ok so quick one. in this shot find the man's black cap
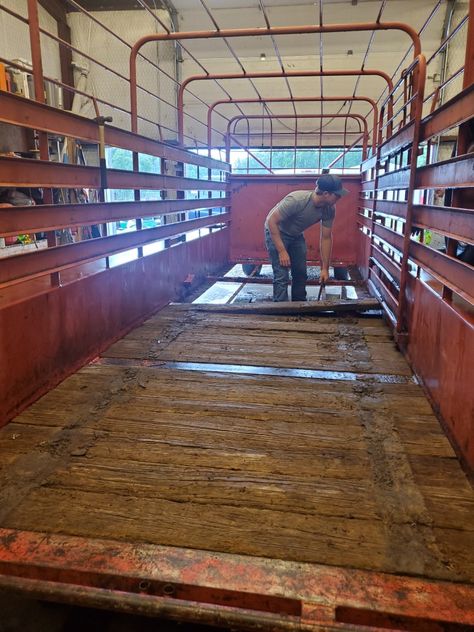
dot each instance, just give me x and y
(331, 184)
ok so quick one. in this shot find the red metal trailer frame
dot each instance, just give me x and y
(292, 100)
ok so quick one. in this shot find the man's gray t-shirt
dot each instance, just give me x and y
(298, 212)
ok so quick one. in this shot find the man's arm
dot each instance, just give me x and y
(273, 221)
(325, 249)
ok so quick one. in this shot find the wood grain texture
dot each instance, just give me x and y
(353, 473)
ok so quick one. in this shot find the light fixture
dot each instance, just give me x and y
(263, 57)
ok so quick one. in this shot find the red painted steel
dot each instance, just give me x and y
(17, 110)
(91, 313)
(268, 75)
(37, 173)
(237, 589)
(452, 113)
(357, 117)
(26, 219)
(394, 239)
(401, 138)
(18, 268)
(383, 259)
(441, 354)
(212, 107)
(457, 223)
(391, 207)
(456, 172)
(455, 274)
(399, 179)
(254, 196)
(272, 31)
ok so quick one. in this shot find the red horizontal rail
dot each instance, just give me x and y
(394, 179)
(455, 172)
(455, 274)
(383, 259)
(40, 173)
(387, 296)
(392, 207)
(26, 219)
(397, 141)
(67, 567)
(457, 223)
(457, 110)
(393, 239)
(17, 110)
(28, 266)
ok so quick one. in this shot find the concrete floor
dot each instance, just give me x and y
(237, 292)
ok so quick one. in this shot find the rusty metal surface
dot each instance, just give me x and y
(384, 292)
(391, 207)
(455, 172)
(252, 199)
(394, 239)
(233, 588)
(41, 173)
(396, 142)
(383, 259)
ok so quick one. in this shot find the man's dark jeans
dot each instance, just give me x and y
(296, 248)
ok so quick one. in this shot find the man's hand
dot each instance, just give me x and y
(324, 276)
(284, 259)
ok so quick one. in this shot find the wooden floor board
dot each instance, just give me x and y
(350, 472)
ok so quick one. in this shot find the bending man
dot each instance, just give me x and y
(284, 237)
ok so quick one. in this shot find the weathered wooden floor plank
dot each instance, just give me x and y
(350, 472)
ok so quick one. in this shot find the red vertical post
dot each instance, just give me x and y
(38, 82)
(465, 134)
(420, 78)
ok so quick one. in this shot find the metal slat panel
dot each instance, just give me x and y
(28, 113)
(398, 141)
(395, 179)
(25, 219)
(456, 111)
(387, 296)
(456, 172)
(39, 173)
(453, 222)
(30, 265)
(451, 272)
(381, 258)
(392, 207)
(390, 236)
